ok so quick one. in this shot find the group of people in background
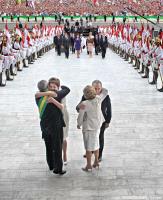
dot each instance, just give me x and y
(20, 47)
(94, 117)
(76, 42)
(81, 7)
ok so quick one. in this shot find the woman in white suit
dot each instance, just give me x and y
(90, 120)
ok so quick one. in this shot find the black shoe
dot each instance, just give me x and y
(99, 159)
(62, 172)
(84, 156)
(51, 168)
(59, 172)
(144, 76)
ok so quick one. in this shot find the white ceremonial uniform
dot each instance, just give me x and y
(1, 63)
(8, 56)
(161, 64)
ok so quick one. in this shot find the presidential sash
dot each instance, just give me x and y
(42, 105)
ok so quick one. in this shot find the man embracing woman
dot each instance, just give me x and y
(94, 117)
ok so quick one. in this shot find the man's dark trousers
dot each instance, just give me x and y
(58, 50)
(101, 139)
(49, 151)
(67, 52)
(53, 143)
(103, 52)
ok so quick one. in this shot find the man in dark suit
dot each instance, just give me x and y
(66, 45)
(77, 23)
(103, 45)
(58, 43)
(97, 44)
(72, 40)
(55, 17)
(105, 17)
(52, 123)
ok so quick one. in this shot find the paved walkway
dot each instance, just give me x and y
(132, 167)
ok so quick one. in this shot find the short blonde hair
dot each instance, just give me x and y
(89, 92)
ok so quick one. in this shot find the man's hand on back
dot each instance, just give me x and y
(52, 94)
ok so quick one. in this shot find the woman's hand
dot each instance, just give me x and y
(81, 106)
(56, 103)
(50, 100)
(51, 94)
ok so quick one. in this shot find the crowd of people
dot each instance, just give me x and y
(23, 46)
(141, 48)
(76, 43)
(82, 7)
(136, 45)
(19, 48)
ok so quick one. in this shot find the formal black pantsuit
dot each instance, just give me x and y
(103, 45)
(66, 44)
(58, 44)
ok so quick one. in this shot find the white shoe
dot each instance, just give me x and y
(65, 162)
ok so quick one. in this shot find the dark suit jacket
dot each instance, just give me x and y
(103, 42)
(52, 118)
(58, 40)
(97, 41)
(66, 42)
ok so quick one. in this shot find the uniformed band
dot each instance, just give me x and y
(140, 48)
(21, 47)
(137, 45)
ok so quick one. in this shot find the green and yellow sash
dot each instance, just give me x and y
(42, 105)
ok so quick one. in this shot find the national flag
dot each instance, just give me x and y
(18, 1)
(30, 3)
(17, 30)
(95, 2)
(26, 34)
(6, 32)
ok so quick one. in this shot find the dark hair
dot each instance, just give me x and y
(54, 80)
